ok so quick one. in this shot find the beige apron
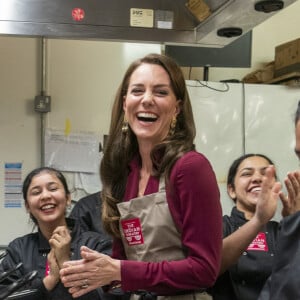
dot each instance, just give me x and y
(149, 234)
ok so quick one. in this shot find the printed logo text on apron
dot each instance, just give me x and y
(133, 231)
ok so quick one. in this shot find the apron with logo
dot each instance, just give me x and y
(149, 234)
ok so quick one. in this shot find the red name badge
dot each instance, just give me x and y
(259, 243)
(132, 230)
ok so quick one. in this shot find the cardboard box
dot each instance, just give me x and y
(199, 9)
(287, 58)
(262, 75)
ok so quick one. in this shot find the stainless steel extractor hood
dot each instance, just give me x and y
(155, 21)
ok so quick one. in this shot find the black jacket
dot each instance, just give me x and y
(32, 250)
(88, 211)
(283, 283)
(245, 279)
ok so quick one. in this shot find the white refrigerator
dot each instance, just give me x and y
(235, 118)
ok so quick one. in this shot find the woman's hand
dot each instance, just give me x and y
(51, 279)
(291, 201)
(91, 272)
(267, 203)
(60, 242)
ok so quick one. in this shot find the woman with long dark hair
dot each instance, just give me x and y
(160, 196)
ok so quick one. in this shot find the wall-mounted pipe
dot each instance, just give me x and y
(42, 102)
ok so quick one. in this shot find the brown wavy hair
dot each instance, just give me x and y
(121, 148)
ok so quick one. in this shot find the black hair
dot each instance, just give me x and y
(236, 163)
(297, 114)
(37, 171)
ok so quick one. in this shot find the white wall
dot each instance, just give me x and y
(87, 73)
(84, 74)
(19, 125)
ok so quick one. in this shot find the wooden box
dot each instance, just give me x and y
(287, 58)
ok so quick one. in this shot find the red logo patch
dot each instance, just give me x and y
(47, 270)
(132, 230)
(259, 243)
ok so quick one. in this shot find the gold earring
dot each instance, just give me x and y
(172, 126)
(125, 126)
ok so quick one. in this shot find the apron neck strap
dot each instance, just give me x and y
(162, 186)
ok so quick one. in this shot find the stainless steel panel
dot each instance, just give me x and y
(233, 14)
(110, 20)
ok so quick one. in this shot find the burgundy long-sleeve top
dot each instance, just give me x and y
(194, 202)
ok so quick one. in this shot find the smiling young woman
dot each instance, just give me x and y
(249, 234)
(58, 239)
(159, 194)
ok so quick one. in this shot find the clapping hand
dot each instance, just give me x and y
(267, 203)
(60, 242)
(291, 201)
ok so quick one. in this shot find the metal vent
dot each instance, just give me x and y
(268, 6)
(229, 32)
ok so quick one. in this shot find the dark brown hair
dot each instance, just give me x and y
(120, 149)
(297, 114)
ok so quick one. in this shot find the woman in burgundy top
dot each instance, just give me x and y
(161, 201)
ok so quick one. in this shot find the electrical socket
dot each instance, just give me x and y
(42, 104)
